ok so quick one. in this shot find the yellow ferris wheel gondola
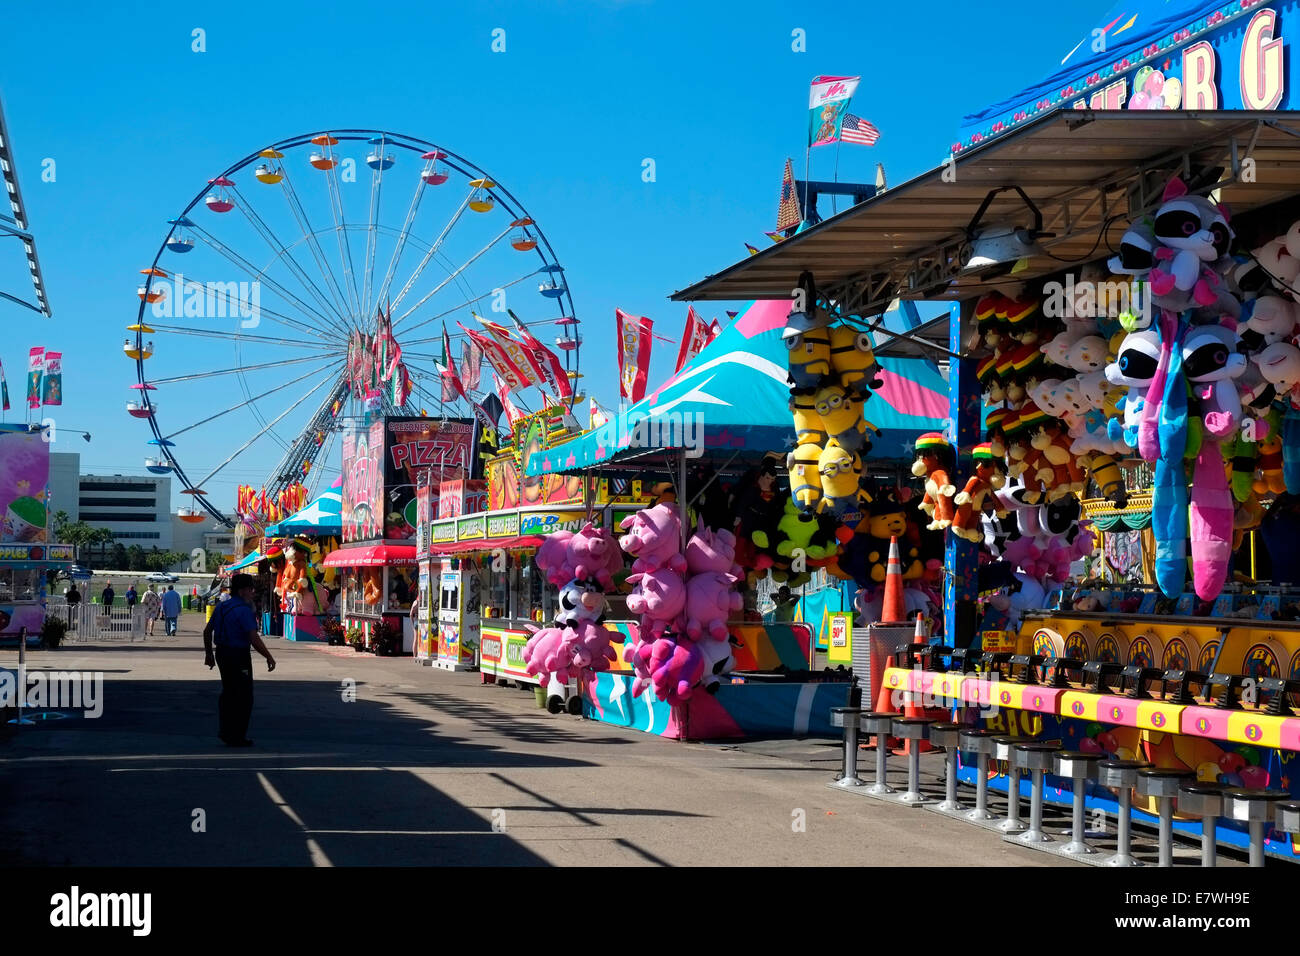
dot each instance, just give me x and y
(480, 200)
(137, 350)
(269, 173)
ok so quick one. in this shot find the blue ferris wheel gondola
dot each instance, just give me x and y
(157, 466)
(378, 159)
(180, 241)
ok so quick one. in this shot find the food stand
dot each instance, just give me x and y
(304, 583)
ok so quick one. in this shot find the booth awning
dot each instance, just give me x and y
(1088, 171)
(322, 516)
(489, 544)
(372, 556)
(248, 559)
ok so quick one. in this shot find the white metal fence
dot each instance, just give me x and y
(95, 622)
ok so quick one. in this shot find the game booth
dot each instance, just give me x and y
(697, 661)
(1118, 482)
(303, 583)
(383, 458)
(27, 555)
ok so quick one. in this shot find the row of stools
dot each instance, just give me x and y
(1255, 807)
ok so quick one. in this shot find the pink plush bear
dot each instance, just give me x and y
(709, 550)
(593, 553)
(659, 598)
(710, 602)
(654, 539)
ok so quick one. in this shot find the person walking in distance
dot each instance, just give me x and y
(228, 640)
(131, 596)
(171, 609)
(152, 605)
(106, 596)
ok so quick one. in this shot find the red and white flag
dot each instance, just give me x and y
(547, 364)
(633, 354)
(35, 370)
(471, 364)
(452, 387)
(511, 375)
(598, 416)
(513, 414)
(694, 337)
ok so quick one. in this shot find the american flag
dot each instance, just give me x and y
(857, 130)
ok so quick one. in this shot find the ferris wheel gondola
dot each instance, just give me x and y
(328, 299)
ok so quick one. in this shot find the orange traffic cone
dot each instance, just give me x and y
(892, 611)
(910, 707)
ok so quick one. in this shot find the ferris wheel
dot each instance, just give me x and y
(329, 274)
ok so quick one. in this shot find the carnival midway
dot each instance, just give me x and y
(978, 493)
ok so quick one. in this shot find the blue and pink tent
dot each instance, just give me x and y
(734, 397)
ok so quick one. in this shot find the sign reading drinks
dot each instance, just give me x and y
(1234, 57)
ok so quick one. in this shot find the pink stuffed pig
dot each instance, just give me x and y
(710, 602)
(659, 598)
(546, 655)
(593, 553)
(654, 539)
(553, 557)
(709, 550)
(592, 646)
(680, 668)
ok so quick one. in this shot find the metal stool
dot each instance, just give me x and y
(1206, 801)
(1163, 784)
(1122, 775)
(948, 736)
(979, 743)
(1286, 817)
(850, 718)
(1079, 767)
(1036, 757)
(914, 730)
(1002, 750)
(1254, 807)
(879, 724)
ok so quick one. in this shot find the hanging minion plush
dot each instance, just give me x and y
(853, 360)
(808, 428)
(805, 478)
(841, 416)
(810, 357)
(841, 472)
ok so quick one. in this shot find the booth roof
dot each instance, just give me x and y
(322, 516)
(372, 556)
(734, 397)
(1088, 171)
(251, 558)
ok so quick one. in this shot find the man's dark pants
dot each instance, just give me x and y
(235, 705)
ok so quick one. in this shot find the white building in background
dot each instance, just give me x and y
(136, 508)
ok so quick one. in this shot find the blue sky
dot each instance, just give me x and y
(136, 122)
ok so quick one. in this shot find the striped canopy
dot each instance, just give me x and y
(737, 390)
(322, 516)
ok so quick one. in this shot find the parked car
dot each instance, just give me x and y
(162, 577)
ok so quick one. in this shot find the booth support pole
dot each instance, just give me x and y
(960, 560)
(682, 501)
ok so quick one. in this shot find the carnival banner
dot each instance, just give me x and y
(694, 337)
(519, 357)
(547, 364)
(497, 357)
(827, 100)
(52, 385)
(633, 354)
(35, 369)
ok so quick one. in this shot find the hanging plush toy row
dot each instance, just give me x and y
(684, 602)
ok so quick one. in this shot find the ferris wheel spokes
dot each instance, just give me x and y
(340, 223)
(254, 398)
(212, 290)
(318, 252)
(260, 366)
(431, 252)
(452, 275)
(400, 245)
(456, 308)
(331, 314)
(377, 162)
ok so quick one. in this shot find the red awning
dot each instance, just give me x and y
(489, 544)
(372, 556)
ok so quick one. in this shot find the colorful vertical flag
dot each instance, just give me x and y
(4, 389)
(828, 98)
(752, 250)
(513, 414)
(598, 416)
(633, 354)
(854, 129)
(471, 365)
(451, 383)
(35, 370)
(788, 213)
(526, 372)
(715, 328)
(694, 337)
(544, 360)
(497, 357)
(52, 385)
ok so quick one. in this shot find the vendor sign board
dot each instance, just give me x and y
(442, 447)
(1235, 56)
(24, 477)
(462, 496)
(501, 653)
(363, 480)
